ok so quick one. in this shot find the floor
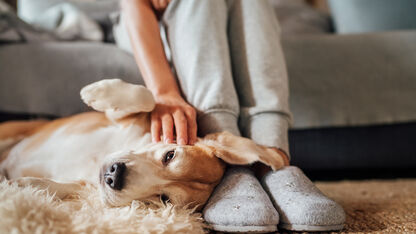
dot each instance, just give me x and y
(376, 206)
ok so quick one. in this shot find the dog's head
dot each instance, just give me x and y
(184, 175)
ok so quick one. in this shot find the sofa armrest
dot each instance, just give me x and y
(46, 78)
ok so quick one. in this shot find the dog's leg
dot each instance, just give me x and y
(117, 98)
(61, 190)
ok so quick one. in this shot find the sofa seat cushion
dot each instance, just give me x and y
(352, 80)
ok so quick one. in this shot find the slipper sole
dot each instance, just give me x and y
(311, 228)
(245, 229)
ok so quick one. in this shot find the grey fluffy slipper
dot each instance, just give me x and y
(239, 204)
(301, 205)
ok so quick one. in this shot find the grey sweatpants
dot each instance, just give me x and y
(229, 65)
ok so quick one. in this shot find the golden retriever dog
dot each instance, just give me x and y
(112, 149)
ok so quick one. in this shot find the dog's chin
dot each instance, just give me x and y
(103, 190)
(104, 197)
(111, 198)
(108, 198)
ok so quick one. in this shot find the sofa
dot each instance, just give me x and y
(352, 95)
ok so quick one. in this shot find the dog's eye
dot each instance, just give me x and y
(164, 198)
(168, 156)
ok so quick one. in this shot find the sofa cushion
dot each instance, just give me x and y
(98, 10)
(357, 16)
(351, 80)
(46, 78)
(297, 17)
(14, 30)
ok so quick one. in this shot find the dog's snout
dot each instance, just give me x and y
(114, 175)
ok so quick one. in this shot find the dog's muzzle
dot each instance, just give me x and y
(114, 175)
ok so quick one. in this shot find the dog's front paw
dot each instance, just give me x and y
(61, 190)
(117, 98)
(30, 181)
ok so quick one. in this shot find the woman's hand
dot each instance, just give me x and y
(171, 115)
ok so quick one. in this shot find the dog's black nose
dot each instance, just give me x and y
(114, 176)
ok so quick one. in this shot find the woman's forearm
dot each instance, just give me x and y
(172, 116)
(143, 28)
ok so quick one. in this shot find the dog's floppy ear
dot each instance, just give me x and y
(241, 151)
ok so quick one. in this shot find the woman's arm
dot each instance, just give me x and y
(171, 111)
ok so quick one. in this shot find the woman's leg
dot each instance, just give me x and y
(259, 71)
(197, 36)
(261, 80)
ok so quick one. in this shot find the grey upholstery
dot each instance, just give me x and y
(298, 17)
(347, 80)
(97, 10)
(357, 16)
(352, 80)
(46, 78)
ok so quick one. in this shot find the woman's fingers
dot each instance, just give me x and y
(169, 119)
(192, 126)
(155, 126)
(167, 128)
(181, 126)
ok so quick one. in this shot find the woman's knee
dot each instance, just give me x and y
(199, 13)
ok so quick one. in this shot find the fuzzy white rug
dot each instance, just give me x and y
(30, 210)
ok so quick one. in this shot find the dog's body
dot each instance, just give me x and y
(114, 151)
(73, 148)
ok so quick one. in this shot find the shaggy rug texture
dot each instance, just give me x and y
(383, 206)
(28, 210)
